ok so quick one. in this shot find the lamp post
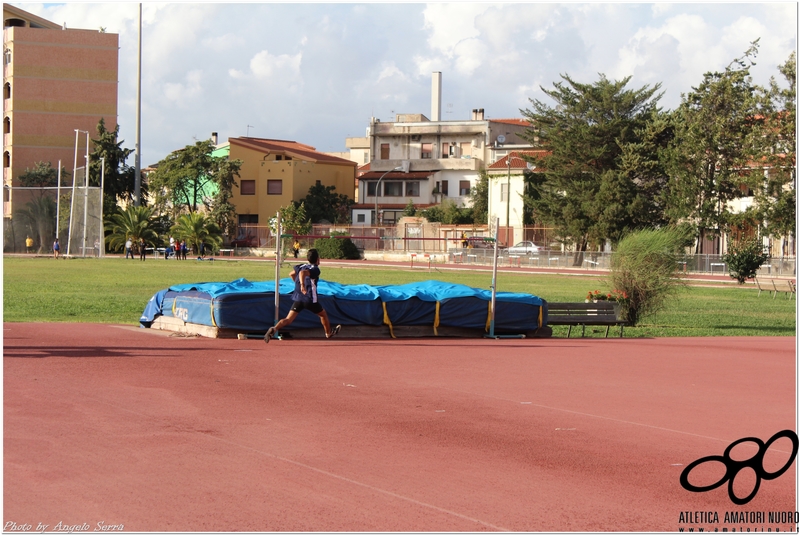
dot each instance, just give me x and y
(377, 188)
(507, 213)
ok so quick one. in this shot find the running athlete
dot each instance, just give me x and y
(305, 277)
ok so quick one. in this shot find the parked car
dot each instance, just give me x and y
(481, 242)
(245, 241)
(523, 248)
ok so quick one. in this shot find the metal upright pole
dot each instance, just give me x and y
(137, 175)
(278, 227)
(85, 192)
(72, 200)
(507, 213)
(101, 252)
(58, 203)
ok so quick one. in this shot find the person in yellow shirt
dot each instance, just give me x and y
(296, 248)
(29, 244)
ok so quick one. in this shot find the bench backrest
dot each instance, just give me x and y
(600, 308)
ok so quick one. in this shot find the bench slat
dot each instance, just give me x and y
(602, 313)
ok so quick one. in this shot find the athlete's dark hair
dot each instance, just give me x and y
(313, 256)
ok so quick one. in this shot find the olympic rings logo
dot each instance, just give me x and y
(734, 467)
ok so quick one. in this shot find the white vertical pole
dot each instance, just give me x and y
(278, 226)
(137, 175)
(101, 252)
(72, 200)
(494, 278)
(58, 202)
(85, 192)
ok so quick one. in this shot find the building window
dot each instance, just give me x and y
(7, 125)
(370, 189)
(248, 187)
(6, 159)
(427, 150)
(464, 187)
(390, 218)
(412, 189)
(274, 187)
(7, 90)
(445, 188)
(385, 151)
(503, 195)
(361, 218)
(248, 219)
(392, 189)
(445, 150)
(466, 149)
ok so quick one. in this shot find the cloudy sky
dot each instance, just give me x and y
(316, 72)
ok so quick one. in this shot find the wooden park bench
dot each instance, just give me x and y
(600, 313)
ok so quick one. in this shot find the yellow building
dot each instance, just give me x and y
(276, 172)
(55, 81)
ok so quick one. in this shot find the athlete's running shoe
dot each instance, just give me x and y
(334, 332)
(269, 334)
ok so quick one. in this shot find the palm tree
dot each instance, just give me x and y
(134, 223)
(196, 228)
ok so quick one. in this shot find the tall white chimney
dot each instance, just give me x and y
(436, 104)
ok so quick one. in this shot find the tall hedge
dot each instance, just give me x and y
(337, 248)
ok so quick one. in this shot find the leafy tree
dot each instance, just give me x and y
(192, 178)
(119, 181)
(744, 259)
(135, 222)
(38, 216)
(295, 219)
(479, 197)
(410, 209)
(337, 248)
(448, 213)
(43, 175)
(716, 135)
(196, 228)
(775, 201)
(323, 204)
(584, 189)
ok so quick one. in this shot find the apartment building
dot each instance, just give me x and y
(276, 172)
(56, 80)
(427, 160)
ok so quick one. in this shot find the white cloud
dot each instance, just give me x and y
(266, 65)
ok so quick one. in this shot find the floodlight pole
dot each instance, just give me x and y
(377, 189)
(85, 191)
(72, 199)
(101, 252)
(137, 174)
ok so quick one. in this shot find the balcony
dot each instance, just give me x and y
(431, 164)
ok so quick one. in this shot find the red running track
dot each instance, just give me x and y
(107, 425)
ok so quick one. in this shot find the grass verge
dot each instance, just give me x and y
(114, 290)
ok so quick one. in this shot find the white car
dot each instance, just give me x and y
(523, 247)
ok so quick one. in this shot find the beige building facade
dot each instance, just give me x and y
(276, 172)
(55, 81)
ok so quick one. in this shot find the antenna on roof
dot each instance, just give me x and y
(248, 129)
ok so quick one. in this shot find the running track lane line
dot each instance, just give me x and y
(320, 471)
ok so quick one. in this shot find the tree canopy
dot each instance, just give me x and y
(583, 187)
(323, 204)
(119, 181)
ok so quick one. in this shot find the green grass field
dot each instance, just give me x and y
(113, 290)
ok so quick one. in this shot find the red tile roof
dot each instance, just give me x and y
(290, 148)
(517, 122)
(516, 161)
(397, 175)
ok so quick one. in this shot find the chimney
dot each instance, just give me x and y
(435, 114)
(480, 114)
(474, 114)
(214, 138)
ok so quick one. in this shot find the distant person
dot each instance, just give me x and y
(172, 242)
(129, 249)
(296, 248)
(56, 249)
(464, 240)
(97, 247)
(305, 297)
(29, 244)
(184, 249)
(202, 249)
(142, 250)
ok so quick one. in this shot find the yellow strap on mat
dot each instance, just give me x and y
(213, 321)
(387, 321)
(435, 325)
(488, 319)
(541, 316)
